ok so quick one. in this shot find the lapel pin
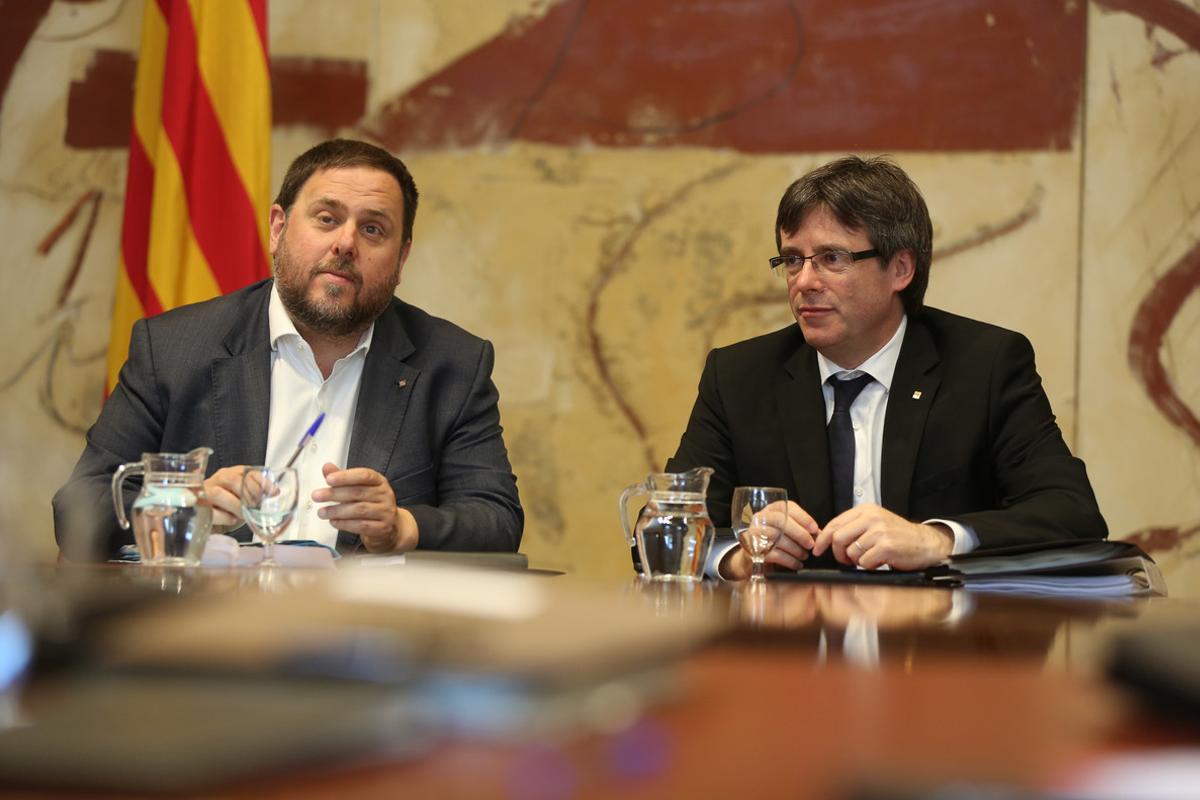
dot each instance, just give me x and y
(402, 383)
(917, 395)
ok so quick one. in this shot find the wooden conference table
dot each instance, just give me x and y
(798, 691)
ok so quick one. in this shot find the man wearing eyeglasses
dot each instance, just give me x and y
(903, 434)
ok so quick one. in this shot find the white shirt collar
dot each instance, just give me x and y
(280, 325)
(881, 366)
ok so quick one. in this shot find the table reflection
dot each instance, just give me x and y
(780, 605)
(676, 598)
(868, 625)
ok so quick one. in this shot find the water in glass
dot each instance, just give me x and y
(268, 504)
(756, 514)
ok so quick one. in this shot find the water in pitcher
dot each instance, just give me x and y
(171, 522)
(674, 536)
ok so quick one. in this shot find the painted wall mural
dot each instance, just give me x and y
(761, 76)
(599, 179)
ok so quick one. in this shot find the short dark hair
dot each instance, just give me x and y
(339, 153)
(872, 194)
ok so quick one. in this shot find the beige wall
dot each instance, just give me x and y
(570, 257)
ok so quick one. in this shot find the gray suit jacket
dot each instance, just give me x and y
(200, 375)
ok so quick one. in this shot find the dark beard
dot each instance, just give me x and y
(326, 316)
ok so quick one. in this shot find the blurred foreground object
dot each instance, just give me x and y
(195, 690)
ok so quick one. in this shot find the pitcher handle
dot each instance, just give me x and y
(632, 489)
(124, 471)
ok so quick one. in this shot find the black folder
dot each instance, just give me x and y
(1096, 568)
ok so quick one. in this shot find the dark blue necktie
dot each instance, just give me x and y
(841, 440)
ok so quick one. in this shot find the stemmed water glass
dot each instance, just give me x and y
(757, 513)
(268, 504)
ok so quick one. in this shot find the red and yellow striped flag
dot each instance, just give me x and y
(199, 177)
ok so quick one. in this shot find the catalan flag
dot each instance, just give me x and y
(199, 175)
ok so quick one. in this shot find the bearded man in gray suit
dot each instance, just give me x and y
(410, 453)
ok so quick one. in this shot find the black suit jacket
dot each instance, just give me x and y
(200, 375)
(968, 433)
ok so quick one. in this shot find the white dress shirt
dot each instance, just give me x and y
(867, 416)
(298, 394)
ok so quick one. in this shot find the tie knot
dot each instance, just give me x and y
(844, 392)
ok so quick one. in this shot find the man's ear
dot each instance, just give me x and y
(275, 223)
(903, 268)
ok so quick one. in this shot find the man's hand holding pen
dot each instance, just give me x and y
(360, 501)
(224, 491)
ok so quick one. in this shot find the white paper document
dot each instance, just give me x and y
(225, 551)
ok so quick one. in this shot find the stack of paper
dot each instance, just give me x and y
(225, 551)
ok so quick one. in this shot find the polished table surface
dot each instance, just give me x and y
(803, 691)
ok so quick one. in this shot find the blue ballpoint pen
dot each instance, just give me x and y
(312, 429)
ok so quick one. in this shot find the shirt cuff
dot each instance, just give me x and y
(721, 546)
(965, 539)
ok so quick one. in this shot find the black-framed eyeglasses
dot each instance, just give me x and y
(832, 261)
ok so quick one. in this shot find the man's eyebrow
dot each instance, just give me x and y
(328, 202)
(821, 248)
(338, 205)
(377, 213)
